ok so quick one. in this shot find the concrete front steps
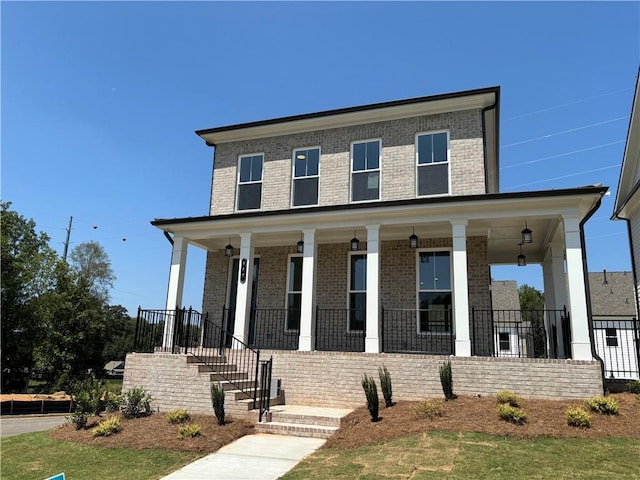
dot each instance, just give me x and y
(302, 421)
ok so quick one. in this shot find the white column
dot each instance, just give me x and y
(549, 300)
(460, 288)
(245, 281)
(308, 304)
(372, 339)
(176, 286)
(559, 290)
(580, 342)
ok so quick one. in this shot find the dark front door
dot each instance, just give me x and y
(233, 294)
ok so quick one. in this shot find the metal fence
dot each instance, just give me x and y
(274, 329)
(617, 343)
(426, 331)
(340, 330)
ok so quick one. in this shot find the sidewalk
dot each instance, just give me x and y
(253, 457)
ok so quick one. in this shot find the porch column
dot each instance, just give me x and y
(460, 288)
(558, 292)
(176, 286)
(580, 342)
(307, 340)
(245, 281)
(372, 339)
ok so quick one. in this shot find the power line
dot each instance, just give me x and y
(561, 155)
(565, 131)
(563, 176)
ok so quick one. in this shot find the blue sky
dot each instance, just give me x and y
(100, 102)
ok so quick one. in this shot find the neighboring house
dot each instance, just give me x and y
(615, 323)
(372, 230)
(114, 367)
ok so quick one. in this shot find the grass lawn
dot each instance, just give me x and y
(35, 456)
(114, 385)
(440, 455)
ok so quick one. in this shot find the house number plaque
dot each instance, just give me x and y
(243, 271)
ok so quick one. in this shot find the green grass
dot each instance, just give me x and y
(114, 385)
(35, 456)
(437, 455)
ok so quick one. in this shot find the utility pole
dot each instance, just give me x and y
(66, 242)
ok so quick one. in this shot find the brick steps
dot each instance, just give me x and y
(295, 429)
(302, 421)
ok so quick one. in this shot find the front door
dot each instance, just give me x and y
(233, 294)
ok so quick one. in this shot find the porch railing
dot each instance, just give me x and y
(425, 331)
(150, 329)
(515, 333)
(340, 330)
(618, 345)
(274, 329)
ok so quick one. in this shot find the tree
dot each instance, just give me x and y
(93, 267)
(532, 310)
(121, 330)
(530, 298)
(27, 272)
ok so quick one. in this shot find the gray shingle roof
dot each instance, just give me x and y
(612, 294)
(504, 295)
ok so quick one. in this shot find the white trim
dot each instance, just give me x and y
(417, 166)
(293, 175)
(379, 170)
(261, 182)
(417, 264)
(287, 292)
(349, 291)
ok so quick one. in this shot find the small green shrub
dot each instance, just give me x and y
(385, 385)
(430, 409)
(633, 386)
(78, 419)
(189, 430)
(112, 402)
(109, 426)
(89, 395)
(371, 392)
(446, 379)
(178, 416)
(577, 417)
(603, 405)
(507, 397)
(217, 400)
(511, 414)
(136, 403)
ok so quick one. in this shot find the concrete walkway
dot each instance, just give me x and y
(253, 457)
(17, 424)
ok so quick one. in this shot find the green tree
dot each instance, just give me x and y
(93, 267)
(530, 298)
(120, 335)
(27, 272)
(532, 311)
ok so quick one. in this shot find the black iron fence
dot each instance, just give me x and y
(425, 331)
(340, 330)
(274, 329)
(150, 329)
(617, 344)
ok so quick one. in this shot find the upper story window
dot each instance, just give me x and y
(365, 170)
(250, 182)
(305, 177)
(432, 163)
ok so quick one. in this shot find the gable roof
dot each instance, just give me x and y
(504, 295)
(612, 294)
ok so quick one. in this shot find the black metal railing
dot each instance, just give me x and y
(150, 329)
(274, 329)
(617, 344)
(426, 331)
(515, 333)
(340, 330)
(265, 391)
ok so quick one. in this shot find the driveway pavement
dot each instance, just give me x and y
(15, 425)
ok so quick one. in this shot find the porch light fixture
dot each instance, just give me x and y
(413, 239)
(355, 243)
(527, 235)
(228, 250)
(300, 245)
(522, 260)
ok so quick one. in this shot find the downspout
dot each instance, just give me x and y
(587, 289)
(483, 113)
(168, 237)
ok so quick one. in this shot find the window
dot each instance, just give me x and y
(365, 170)
(250, 182)
(432, 163)
(357, 292)
(294, 293)
(434, 291)
(504, 341)
(305, 177)
(611, 337)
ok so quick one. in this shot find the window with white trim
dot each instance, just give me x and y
(305, 177)
(357, 291)
(294, 292)
(365, 170)
(432, 163)
(250, 182)
(434, 291)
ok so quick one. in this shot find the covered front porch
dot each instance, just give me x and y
(393, 277)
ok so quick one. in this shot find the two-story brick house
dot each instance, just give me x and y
(372, 229)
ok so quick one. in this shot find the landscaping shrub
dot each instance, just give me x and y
(189, 430)
(79, 419)
(371, 392)
(136, 403)
(577, 417)
(107, 427)
(112, 402)
(178, 416)
(507, 397)
(446, 379)
(603, 405)
(511, 414)
(633, 386)
(217, 400)
(88, 396)
(385, 385)
(430, 409)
